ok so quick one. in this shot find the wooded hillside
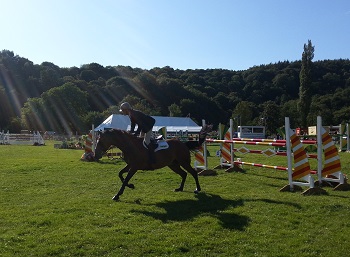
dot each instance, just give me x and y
(47, 97)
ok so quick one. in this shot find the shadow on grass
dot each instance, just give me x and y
(205, 204)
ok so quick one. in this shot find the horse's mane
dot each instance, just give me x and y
(193, 145)
(119, 132)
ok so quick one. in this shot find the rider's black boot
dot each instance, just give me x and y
(151, 153)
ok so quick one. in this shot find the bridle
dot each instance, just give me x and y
(103, 151)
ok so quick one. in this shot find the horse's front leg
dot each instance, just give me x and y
(131, 173)
(125, 170)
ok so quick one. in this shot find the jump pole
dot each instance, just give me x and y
(2, 138)
(261, 165)
(301, 174)
(289, 159)
(93, 138)
(331, 171)
(344, 142)
(347, 138)
(226, 149)
(245, 142)
(302, 169)
(272, 140)
(201, 163)
(246, 150)
(90, 145)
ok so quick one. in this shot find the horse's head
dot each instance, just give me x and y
(103, 145)
(111, 137)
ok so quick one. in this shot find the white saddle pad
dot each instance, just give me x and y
(162, 144)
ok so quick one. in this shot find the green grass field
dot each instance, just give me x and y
(53, 204)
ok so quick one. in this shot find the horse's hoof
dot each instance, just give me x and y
(115, 198)
(131, 186)
(178, 190)
(196, 191)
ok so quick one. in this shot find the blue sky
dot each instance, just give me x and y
(182, 34)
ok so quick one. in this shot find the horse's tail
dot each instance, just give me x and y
(192, 145)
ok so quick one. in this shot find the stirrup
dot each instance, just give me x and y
(144, 145)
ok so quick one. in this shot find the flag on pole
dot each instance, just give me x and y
(223, 129)
(162, 131)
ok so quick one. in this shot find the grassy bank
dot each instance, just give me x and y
(52, 204)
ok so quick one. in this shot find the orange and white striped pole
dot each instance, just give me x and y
(302, 169)
(227, 155)
(88, 143)
(199, 162)
(331, 171)
(201, 155)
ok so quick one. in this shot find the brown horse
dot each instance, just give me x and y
(177, 157)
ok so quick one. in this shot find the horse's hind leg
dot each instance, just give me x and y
(194, 174)
(177, 169)
(125, 170)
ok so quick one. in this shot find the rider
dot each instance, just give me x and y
(144, 122)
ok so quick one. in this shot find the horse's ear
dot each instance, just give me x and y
(210, 128)
(206, 129)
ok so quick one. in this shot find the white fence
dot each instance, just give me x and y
(21, 139)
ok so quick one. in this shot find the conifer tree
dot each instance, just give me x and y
(305, 83)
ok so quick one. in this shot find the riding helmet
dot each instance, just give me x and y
(125, 106)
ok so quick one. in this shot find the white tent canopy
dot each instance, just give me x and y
(176, 124)
(173, 124)
(116, 121)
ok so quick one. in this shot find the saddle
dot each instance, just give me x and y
(157, 144)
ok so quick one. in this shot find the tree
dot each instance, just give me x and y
(141, 105)
(60, 109)
(50, 76)
(305, 83)
(95, 118)
(88, 75)
(210, 94)
(289, 109)
(174, 110)
(321, 106)
(5, 108)
(113, 109)
(270, 117)
(245, 111)
(68, 104)
(33, 115)
(15, 125)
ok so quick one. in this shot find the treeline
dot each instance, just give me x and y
(47, 97)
